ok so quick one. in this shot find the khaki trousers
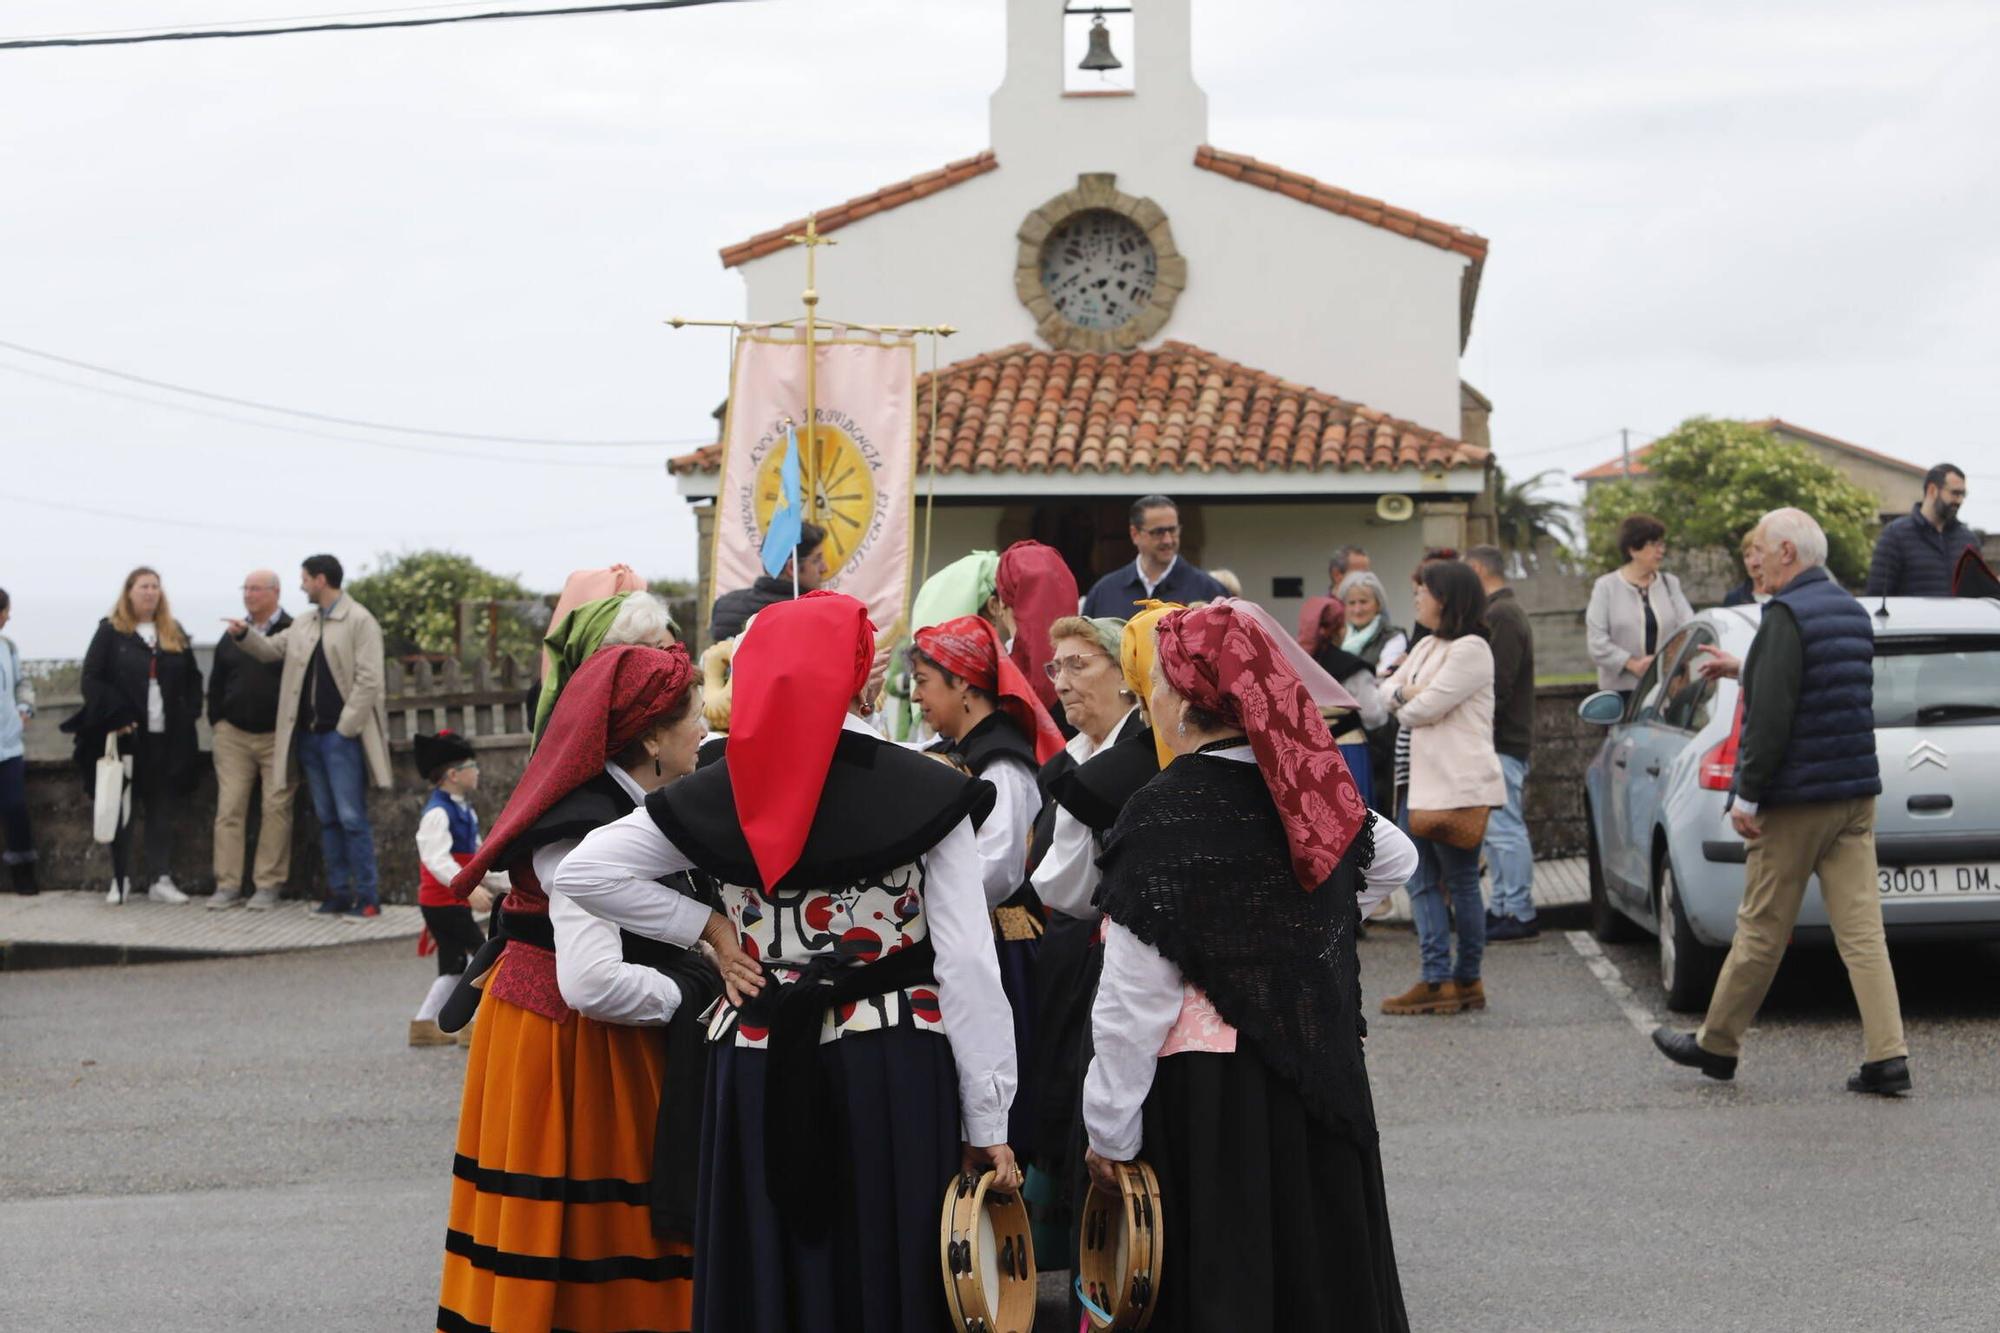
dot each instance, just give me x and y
(1837, 840)
(242, 760)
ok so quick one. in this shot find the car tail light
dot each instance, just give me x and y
(1718, 766)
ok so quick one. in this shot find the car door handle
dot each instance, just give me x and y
(1653, 769)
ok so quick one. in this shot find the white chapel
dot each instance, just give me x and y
(1134, 317)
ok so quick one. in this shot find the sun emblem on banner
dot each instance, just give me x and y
(842, 498)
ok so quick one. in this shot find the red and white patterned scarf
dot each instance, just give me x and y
(969, 648)
(1222, 661)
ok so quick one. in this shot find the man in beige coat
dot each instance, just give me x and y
(330, 712)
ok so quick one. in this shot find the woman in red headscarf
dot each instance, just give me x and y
(555, 1219)
(989, 720)
(1035, 587)
(1227, 1022)
(837, 1084)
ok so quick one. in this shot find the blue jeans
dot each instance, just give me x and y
(337, 775)
(1443, 869)
(1509, 858)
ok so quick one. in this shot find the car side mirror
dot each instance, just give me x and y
(1602, 708)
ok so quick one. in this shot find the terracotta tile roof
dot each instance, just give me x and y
(867, 205)
(1361, 208)
(1615, 468)
(1036, 412)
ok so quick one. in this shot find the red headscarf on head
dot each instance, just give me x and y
(617, 695)
(969, 648)
(793, 675)
(1314, 631)
(1219, 660)
(1039, 589)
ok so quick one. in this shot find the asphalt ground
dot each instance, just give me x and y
(248, 1144)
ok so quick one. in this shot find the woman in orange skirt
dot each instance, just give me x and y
(559, 1218)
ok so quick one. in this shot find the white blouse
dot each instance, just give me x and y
(591, 970)
(1003, 838)
(1140, 994)
(611, 875)
(1067, 875)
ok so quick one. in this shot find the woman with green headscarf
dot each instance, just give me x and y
(626, 617)
(965, 587)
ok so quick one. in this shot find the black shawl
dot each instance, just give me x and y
(1197, 866)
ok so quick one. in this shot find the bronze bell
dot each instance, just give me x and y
(1099, 56)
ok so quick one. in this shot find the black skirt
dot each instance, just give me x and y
(1064, 987)
(1272, 1221)
(876, 1271)
(1017, 973)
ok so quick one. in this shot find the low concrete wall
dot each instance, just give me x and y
(1564, 747)
(71, 858)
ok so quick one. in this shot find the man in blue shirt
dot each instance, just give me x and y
(1158, 572)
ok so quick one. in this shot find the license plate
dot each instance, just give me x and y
(1966, 881)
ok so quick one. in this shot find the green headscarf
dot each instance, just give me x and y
(1110, 633)
(961, 588)
(570, 641)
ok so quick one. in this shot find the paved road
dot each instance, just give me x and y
(247, 1144)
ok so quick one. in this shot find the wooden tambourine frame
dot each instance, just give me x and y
(1121, 1290)
(967, 1250)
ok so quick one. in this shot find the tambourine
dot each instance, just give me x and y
(1118, 1258)
(987, 1259)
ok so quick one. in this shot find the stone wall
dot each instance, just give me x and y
(1564, 747)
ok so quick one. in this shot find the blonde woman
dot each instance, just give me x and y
(142, 684)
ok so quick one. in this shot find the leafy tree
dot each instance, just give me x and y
(1526, 518)
(1710, 481)
(415, 595)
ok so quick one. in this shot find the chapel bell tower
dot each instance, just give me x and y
(1135, 88)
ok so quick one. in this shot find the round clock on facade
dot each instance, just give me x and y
(1098, 269)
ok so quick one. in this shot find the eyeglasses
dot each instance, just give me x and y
(1164, 530)
(1075, 664)
(464, 764)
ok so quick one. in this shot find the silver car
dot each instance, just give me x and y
(1664, 858)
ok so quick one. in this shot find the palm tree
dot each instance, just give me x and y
(1525, 519)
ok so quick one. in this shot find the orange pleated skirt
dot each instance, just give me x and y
(549, 1225)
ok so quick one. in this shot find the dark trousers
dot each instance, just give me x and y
(153, 792)
(457, 934)
(14, 811)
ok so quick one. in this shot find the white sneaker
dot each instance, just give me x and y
(164, 890)
(120, 888)
(225, 898)
(263, 900)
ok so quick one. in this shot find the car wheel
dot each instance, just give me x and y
(1607, 923)
(1688, 967)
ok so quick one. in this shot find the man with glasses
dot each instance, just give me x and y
(243, 711)
(1159, 572)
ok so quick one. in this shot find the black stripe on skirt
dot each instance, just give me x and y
(546, 1189)
(574, 1272)
(451, 1321)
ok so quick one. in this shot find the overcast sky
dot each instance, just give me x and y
(1785, 209)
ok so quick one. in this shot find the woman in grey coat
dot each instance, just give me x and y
(1635, 608)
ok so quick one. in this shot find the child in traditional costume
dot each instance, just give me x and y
(563, 1209)
(840, 1078)
(447, 839)
(1227, 1025)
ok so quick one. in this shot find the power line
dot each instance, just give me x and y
(394, 446)
(338, 421)
(631, 7)
(288, 18)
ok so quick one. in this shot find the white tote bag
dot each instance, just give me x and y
(113, 796)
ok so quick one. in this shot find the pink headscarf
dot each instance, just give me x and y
(1325, 690)
(589, 585)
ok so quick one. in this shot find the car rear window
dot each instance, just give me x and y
(1927, 682)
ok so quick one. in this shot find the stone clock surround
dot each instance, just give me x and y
(1098, 191)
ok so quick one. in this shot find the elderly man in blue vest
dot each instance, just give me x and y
(1804, 801)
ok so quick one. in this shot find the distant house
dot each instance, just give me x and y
(1895, 484)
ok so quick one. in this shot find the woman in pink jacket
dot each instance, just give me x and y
(1443, 696)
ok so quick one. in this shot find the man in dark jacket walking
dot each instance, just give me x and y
(1510, 857)
(1804, 801)
(732, 610)
(1916, 554)
(243, 712)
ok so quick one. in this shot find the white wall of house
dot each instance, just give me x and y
(1267, 274)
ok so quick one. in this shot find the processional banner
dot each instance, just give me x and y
(859, 465)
